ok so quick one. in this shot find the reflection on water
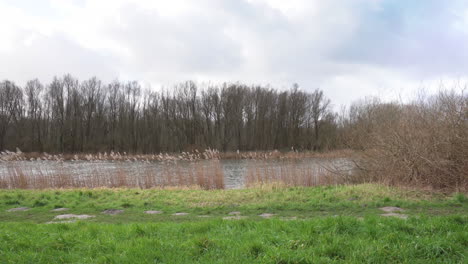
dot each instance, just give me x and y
(235, 172)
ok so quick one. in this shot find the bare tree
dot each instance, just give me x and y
(318, 109)
(34, 92)
(11, 99)
(88, 116)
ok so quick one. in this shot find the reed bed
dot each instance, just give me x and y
(290, 173)
(194, 170)
(207, 154)
(205, 175)
(285, 155)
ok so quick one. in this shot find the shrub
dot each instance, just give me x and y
(423, 143)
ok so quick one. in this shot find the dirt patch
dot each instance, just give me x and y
(19, 209)
(112, 211)
(73, 216)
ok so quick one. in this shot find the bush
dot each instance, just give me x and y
(424, 143)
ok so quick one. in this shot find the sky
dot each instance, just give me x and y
(348, 48)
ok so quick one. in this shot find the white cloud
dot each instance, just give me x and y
(347, 48)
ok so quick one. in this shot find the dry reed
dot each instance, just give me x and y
(204, 175)
(208, 154)
(290, 173)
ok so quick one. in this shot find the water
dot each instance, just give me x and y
(234, 171)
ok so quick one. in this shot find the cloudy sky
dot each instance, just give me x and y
(348, 48)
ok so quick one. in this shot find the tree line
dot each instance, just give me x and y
(68, 115)
(423, 142)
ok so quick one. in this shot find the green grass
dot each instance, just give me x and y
(334, 225)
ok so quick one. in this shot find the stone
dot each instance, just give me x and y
(19, 209)
(266, 215)
(73, 216)
(235, 213)
(289, 218)
(402, 216)
(59, 209)
(234, 217)
(180, 214)
(153, 212)
(61, 222)
(112, 211)
(391, 209)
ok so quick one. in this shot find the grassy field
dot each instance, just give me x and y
(339, 224)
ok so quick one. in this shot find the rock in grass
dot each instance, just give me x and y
(234, 217)
(391, 209)
(19, 209)
(59, 209)
(266, 215)
(180, 214)
(112, 211)
(153, 212)
(402, 216)
(61, 222)
(289, 218)
(73, 216)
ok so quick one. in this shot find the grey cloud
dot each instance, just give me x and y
(338, 48)
(192, 44)
(47, 56)
(415, 36)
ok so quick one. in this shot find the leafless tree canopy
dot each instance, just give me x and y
(70, 116)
